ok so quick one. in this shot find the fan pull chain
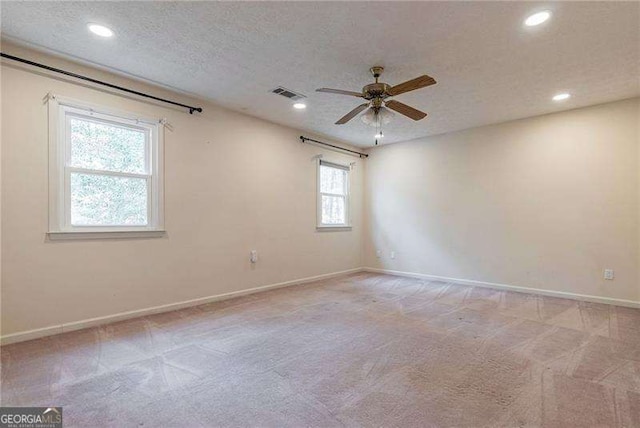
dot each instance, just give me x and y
(378, 128)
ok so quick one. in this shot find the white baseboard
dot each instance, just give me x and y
(92, 322)
(517, 288)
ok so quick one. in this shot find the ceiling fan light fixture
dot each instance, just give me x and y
(376, 118)
(379, 135)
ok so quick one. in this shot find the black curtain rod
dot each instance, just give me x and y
(304, 139)
(99, 82)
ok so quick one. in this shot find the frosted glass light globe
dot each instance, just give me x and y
(382, 117)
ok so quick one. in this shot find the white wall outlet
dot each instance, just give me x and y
(379, 254)
(393, 254)
(608, 274)
(254, 256)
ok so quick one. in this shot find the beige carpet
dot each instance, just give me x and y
(363, 350)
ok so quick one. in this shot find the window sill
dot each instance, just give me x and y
(332, 228)
(132, 234)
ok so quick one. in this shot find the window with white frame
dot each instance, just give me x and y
(105, 170)
(333, 195)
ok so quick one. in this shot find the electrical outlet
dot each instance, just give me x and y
(608, 274)
(379, 254)
(254, 256)
(393, 254)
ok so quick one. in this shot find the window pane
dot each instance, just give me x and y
(107, 147)
(332, 180)
(102, 200)
(333, 210)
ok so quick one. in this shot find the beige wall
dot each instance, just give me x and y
(637, 120)
(233, 183)
(0, 202)
(546, 202)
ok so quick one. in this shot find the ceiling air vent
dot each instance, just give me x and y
(288, 93)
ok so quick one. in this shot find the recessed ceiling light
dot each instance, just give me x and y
(300, 106)
(537, 18)
(561, 97)
(100, 30)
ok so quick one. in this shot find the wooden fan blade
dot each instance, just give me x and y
(411, 85)
(405, 110)
(353, 113)
(340, 91)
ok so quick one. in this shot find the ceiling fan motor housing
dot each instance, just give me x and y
(375, 90)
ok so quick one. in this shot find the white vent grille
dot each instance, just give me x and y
(287, 93)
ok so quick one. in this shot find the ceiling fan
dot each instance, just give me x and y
(376, 95)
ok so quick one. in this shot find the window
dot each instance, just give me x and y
(105, 170)
(333, 195)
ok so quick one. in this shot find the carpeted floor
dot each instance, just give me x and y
(362, 350)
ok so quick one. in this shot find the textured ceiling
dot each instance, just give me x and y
(488, 67)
